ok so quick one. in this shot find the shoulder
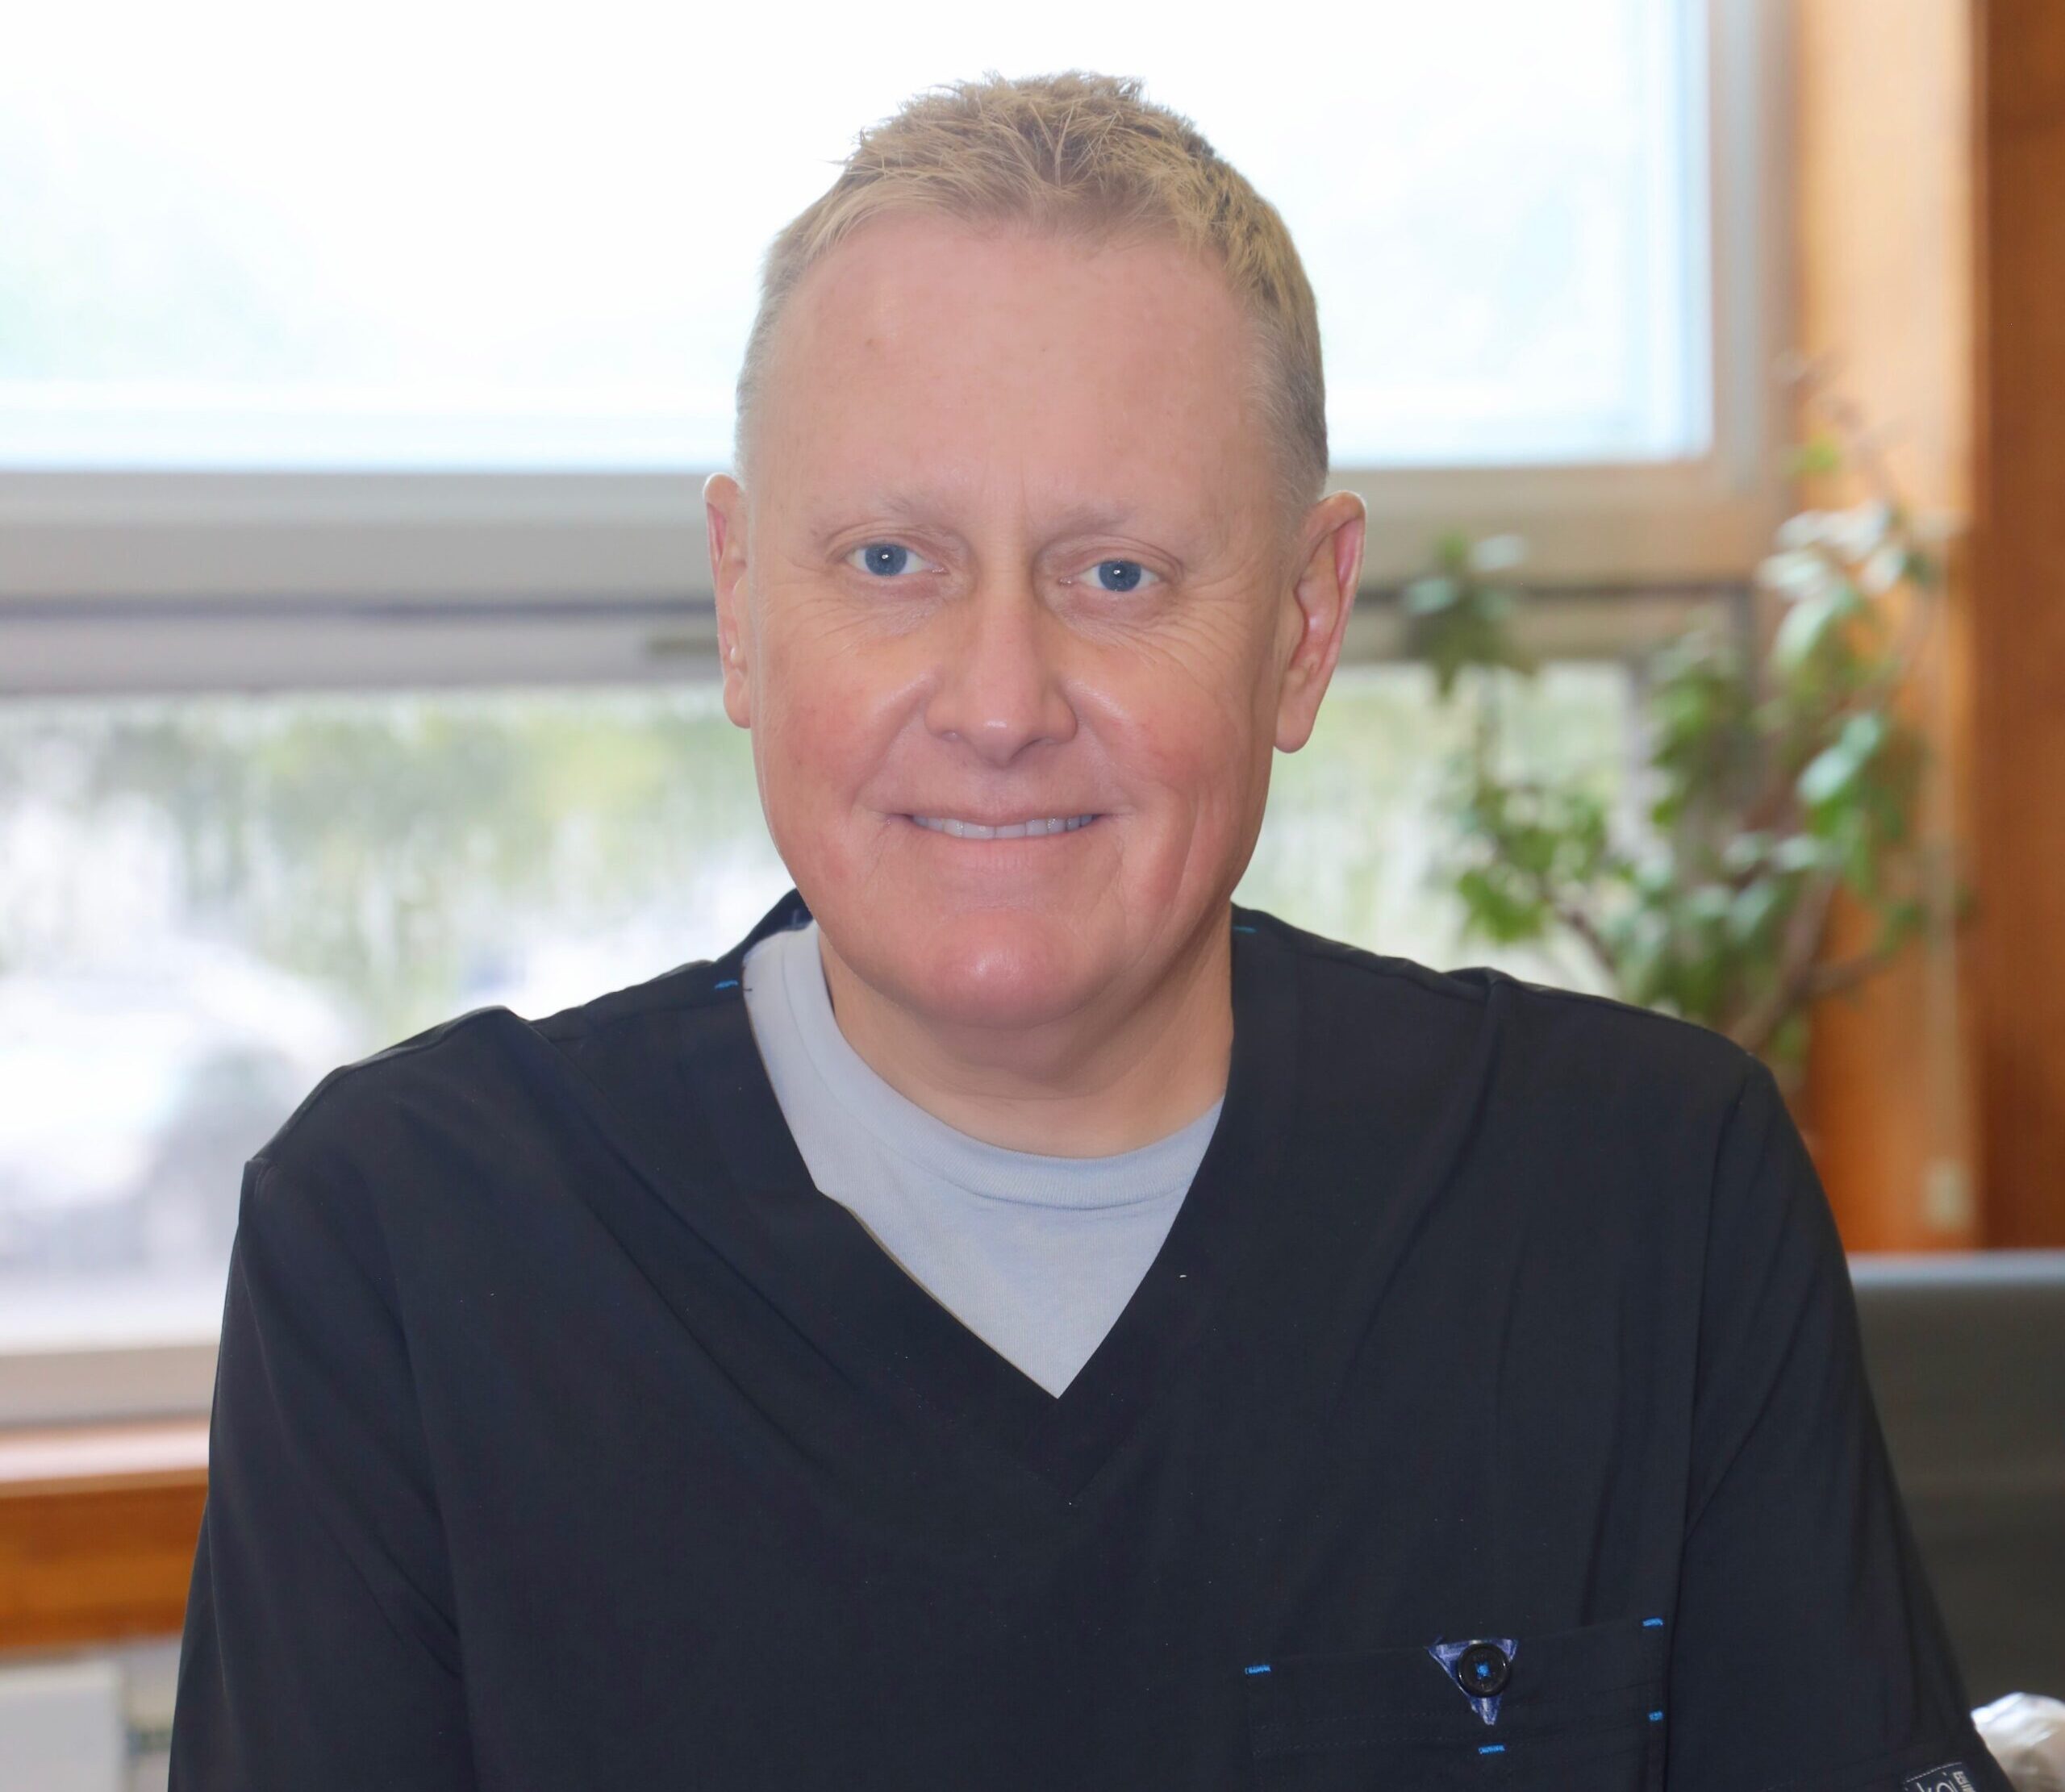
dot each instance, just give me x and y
(1609, 1033)
(485, 1085)
(1535, 1045)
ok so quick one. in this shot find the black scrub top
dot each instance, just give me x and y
(1493, 1416)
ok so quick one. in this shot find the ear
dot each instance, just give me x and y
(1328, 559)
(723, 507)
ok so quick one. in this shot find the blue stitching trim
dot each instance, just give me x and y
(1238, 928)
(1492, 1748)
(1656, 1717)
(1652, 1623)
(1260, 1667)
(729, 983)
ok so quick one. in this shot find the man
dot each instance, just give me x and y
(1017, 1320)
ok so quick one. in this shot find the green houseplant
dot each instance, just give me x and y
(1772, 779)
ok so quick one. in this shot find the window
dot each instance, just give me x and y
(263, 264)
(355, 372)
(264, 238)
(455, 236)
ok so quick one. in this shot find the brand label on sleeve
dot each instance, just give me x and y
(1951, 1776)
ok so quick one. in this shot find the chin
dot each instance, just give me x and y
(994, 967)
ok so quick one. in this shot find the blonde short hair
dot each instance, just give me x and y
(1082, 156)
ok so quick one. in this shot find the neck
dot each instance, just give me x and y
(1116, 1075)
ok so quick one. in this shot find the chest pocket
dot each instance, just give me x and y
(1579, 1707)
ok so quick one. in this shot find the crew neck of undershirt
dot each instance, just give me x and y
(1149, 1172)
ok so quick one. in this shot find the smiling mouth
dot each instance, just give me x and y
(1037, 828)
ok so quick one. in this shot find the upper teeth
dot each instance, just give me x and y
(975, 830)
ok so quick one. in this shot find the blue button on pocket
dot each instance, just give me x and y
(1482, 1669)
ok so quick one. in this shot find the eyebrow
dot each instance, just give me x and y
(1086, 517)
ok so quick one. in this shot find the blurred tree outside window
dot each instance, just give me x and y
(208, 903)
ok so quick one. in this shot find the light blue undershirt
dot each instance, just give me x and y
(1035, 1255)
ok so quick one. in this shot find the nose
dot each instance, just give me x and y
(997, 688)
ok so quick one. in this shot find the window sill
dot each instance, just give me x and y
(98, 1527)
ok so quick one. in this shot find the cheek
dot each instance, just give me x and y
(822, 723)
(1188, 725)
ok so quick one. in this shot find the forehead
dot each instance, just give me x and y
(925, 350)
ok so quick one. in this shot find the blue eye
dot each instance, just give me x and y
(886, 559)
(1124, 575)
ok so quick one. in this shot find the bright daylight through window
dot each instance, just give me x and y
(460, 235)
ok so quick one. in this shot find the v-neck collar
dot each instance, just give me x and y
(887, 1331)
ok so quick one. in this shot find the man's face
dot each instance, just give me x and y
(1012, 552)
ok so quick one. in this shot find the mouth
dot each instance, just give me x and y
(1032, 827)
